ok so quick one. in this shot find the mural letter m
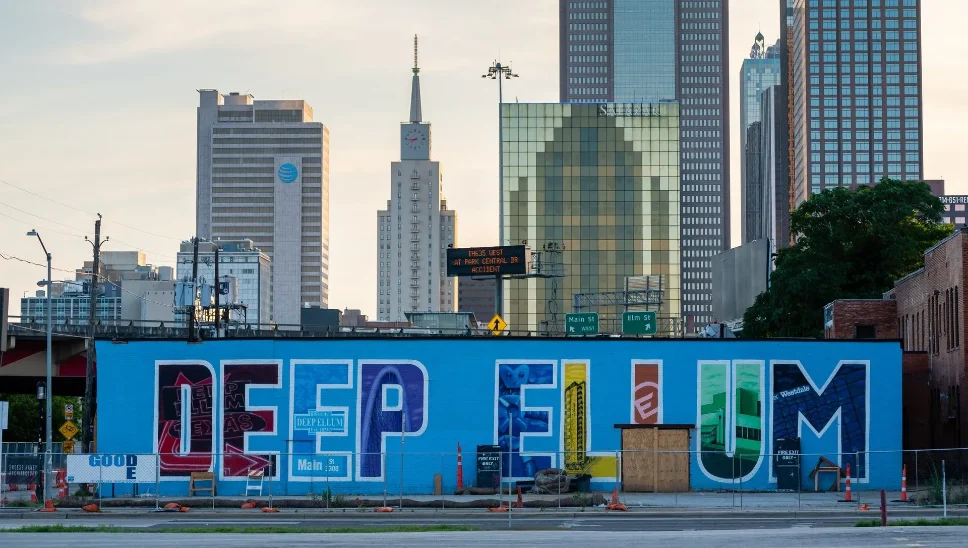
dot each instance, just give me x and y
(830, 419)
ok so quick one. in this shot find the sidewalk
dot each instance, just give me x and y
(676, 502)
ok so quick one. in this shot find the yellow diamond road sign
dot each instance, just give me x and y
(68, 429)
(497, 325)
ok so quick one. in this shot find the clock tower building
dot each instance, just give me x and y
(416, 228)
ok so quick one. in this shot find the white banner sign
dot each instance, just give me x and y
(118, 468)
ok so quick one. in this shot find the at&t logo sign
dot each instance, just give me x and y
(287, 173)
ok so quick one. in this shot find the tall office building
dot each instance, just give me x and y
(416, 228)
(263, 175)
(760, 71)
(856, 93)
(600, 183)
(659, 50)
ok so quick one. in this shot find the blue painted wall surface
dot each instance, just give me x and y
(325, 411)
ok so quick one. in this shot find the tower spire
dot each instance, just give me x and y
(415, 113)
(416, 68)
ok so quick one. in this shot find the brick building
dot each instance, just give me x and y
(928, 316)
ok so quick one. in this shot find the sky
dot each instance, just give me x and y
(98, 99)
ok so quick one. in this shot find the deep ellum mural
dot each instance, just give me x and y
(355, 413)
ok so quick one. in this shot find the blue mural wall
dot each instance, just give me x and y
(352, 414)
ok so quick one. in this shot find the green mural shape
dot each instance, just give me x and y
(731, 439)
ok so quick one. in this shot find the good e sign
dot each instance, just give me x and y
(112, 468)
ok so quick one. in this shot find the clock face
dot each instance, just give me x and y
(415, 139)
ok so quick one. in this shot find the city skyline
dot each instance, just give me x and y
(120, 140)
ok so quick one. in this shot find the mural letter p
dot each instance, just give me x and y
(393, 402)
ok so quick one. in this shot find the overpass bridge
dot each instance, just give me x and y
(23, 364)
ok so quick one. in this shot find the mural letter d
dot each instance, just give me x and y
(184, 410)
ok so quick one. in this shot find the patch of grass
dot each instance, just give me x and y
(920, 522)
(256, 529)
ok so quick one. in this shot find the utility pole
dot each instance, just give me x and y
(218, 290)
(191, 315)
(497, 71)
(87, 434)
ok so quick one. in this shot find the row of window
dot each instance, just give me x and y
(861, 135)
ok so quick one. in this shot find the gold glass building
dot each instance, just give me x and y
(600, 183)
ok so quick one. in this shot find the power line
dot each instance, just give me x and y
(7, 257)
(35, 215)
(46, 229)
(75, 208)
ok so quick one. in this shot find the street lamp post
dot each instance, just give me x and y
(49, 397)
(495, 72)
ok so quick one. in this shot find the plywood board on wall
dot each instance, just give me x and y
(655, 460)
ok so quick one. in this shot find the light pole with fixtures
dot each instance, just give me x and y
(49, 385)
(495, 72)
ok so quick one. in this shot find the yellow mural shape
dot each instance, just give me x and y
(578, 459)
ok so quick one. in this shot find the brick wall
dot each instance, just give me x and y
(931, 318)
(848, 314)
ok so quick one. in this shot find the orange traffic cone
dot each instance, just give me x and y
(904, 483)
(172, 506)
(48, 506)
(847, 491)
(864, 508)
(615, 505)
(91, 508)
(501, 508)
(184, 509)
(268, 510)
(248, 505)
(384, 509)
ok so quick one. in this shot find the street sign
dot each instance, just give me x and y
(68, 411)
(68, 447)
(639, 323)
(68, 429)
(497, 325)
(584, 323)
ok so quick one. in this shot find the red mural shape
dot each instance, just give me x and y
(646, 404)
(238, 420)
(194, 454)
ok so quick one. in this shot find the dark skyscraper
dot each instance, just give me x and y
(856, 93)
(661, 50)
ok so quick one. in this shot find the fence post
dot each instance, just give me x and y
(383, 460)
(944, 489)
(675, 483)
(917, 485)
(857, 467)
(157, 480)
(100, 484)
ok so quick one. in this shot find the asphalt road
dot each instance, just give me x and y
(788, 538)
(495, 522)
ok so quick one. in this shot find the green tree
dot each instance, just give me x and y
(851, 244)
(24, 415)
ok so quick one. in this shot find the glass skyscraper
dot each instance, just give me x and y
(759, 72)
(660, 50)
(601, 182)
(856, 93)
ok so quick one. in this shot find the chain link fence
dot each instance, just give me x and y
(480, 480)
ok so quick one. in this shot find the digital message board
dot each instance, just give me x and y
(488, 261)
